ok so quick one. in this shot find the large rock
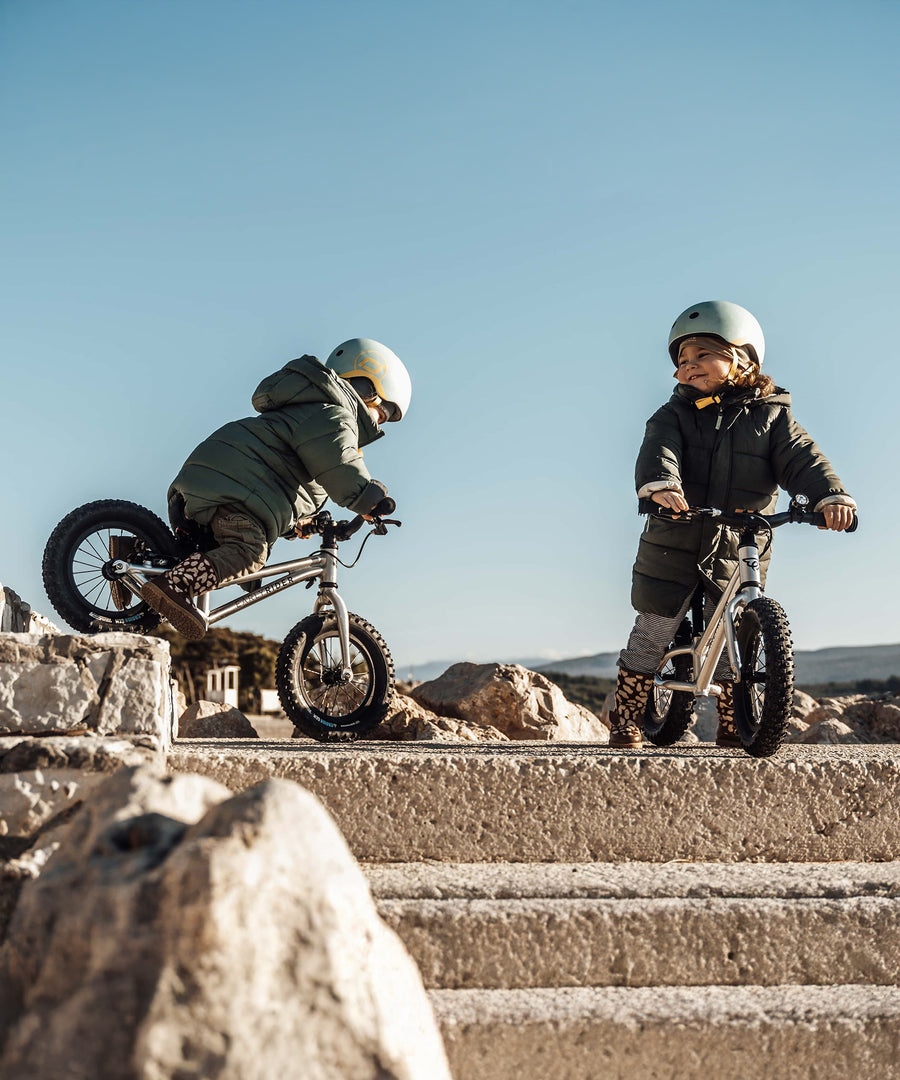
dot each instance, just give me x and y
(243, 946)
(829, 731)
(408, 721)
(213, 720)
(106, 684)
(521, 704)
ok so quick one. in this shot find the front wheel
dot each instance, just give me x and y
(764, 695)
(310, 687)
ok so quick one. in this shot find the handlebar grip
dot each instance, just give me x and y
(385, 506)
(813, 518)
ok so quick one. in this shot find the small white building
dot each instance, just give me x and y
(269, 702)
(222, 684)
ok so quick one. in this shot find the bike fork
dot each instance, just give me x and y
(328, 595)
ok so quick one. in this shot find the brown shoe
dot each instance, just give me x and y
(176, 606)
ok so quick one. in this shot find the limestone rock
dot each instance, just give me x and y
(44, 779)
(213, 720)
(886, 720)
(803, 703)
(242, 947)
(519, 703)
(408, 720)
(795, 729)
(108, 683)
(828, 731)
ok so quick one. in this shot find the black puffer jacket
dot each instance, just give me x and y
(732, 455)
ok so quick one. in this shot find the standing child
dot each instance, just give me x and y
(256, 479)
(726, 438)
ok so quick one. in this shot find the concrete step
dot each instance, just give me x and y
(671, 1033)
(537, 802)
(494, 926)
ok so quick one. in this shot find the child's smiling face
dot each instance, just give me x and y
(699, 366)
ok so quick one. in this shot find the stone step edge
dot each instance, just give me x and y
(460, 944)
(728, 1033)
(633, 880)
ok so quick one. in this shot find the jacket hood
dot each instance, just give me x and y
(307, 380)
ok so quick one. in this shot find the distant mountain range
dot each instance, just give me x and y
(840, 664)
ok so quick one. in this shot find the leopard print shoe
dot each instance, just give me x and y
(632, 691)
(727, 732)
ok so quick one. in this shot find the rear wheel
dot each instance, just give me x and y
(310, 686)
(670, 713)
(78, 565)
(764, 695)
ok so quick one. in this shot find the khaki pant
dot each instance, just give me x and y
(242, 545)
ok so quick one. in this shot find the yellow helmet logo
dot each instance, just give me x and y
(370, 366)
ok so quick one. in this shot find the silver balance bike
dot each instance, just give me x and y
(334, 674)
(751, 627)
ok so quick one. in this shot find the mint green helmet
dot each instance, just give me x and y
(719, 318)
(363, 358)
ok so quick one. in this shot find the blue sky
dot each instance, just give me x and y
(518, 198)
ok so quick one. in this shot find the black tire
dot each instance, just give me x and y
(306, 680)
(764, 695)
(76, 566)
(670, 713)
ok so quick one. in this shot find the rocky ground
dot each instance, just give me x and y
(482, 703)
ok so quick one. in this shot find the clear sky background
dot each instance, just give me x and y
(518, 198)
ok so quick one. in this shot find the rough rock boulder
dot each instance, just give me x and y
(213, 720)
(179, 932)
(519, 703)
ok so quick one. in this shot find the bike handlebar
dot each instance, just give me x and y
(343, 530)
(794, 514)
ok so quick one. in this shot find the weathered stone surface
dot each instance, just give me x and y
(512, 926)
(213, 720)
(42, 779)
(521, 704)
(803, 704)
(409, 721)
(828, 731)
(885, 721)
(108, 683)
(244, 946)
(672, 1033)
(538, 802)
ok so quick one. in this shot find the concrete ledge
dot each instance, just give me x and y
(624, 881)
(582, 803)
(499, 944)
(521, 925)
(705, 1033)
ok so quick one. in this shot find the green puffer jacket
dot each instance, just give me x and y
(734, 455)
(285, 463)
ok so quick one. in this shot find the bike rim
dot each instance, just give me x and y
(86, 571)
(317, 679)
(755, 679)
